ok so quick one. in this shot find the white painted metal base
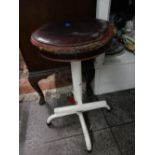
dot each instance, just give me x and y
(79, 108)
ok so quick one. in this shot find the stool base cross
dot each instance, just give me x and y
(79, 108)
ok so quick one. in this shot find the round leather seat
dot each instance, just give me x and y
(72, 40)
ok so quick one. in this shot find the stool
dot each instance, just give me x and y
(74, 41)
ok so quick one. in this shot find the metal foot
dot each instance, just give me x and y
(108, 107)
(49, 124)
(89, 151)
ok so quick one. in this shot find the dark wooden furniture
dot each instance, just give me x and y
(32, 14)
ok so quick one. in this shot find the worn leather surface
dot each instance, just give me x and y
(70, 33)
(71, 40)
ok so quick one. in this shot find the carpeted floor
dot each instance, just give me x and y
(112, 132)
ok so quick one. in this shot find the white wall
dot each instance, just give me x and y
(115, 73)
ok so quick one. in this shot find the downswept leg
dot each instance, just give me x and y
(34, 84)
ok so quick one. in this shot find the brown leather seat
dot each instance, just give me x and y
(72, 40)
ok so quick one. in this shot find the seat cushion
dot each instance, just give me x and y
(72, 40)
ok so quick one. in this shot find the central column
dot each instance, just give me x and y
(77, 81)
(77, 91)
